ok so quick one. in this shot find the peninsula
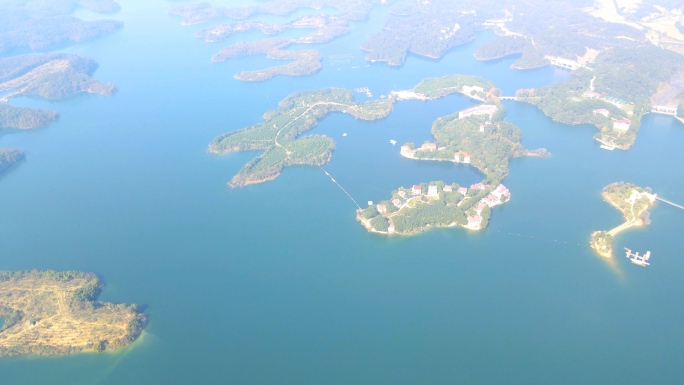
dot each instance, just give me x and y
(56, 313)
(633, 202)
(612, 100)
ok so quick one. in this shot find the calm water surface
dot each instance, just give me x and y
(278, 284)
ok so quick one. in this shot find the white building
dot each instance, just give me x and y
(433, 191)
(602, 111)
(621, 125)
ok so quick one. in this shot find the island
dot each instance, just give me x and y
(279, 135)
(57, 313)
(633, 202)
(432, 205)
(477, 136)
(8, 157)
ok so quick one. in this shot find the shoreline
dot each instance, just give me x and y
(370, 229)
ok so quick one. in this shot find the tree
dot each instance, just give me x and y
(379, 223)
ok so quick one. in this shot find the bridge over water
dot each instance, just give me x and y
(669, 202)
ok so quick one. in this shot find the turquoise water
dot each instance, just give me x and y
(278, 284)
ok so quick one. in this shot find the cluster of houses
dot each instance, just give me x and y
(409, 152)
(495, 198)
(483, 109)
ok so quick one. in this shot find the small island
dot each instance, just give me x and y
(434, 204)
(633, 202)
(56, 313)
(8, 157)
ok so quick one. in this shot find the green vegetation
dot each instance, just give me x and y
(428, 29)
(434, 88)
(52, 76)
(414, 213)
(489, 143)
(564, 102)
(534, 29)
(625, 74)
(326, 28)
(24, 118)
(40, 24)
(304, 62)
(501, 47)
(279, 136)
(8, 157)
(204, 12)
(633, 202)
(56, 313)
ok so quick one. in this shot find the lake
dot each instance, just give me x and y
(277, 283)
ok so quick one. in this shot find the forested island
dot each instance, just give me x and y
(633, 202)
(8, 157)
(279, 135)
(40, 24)
(51, 76)
(56, 313)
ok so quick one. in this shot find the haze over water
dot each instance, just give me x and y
(278, 284)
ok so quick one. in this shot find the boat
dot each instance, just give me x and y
(345, 134)
(637, 259)
(393, 142)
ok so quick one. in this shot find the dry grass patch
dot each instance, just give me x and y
(54, 313)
